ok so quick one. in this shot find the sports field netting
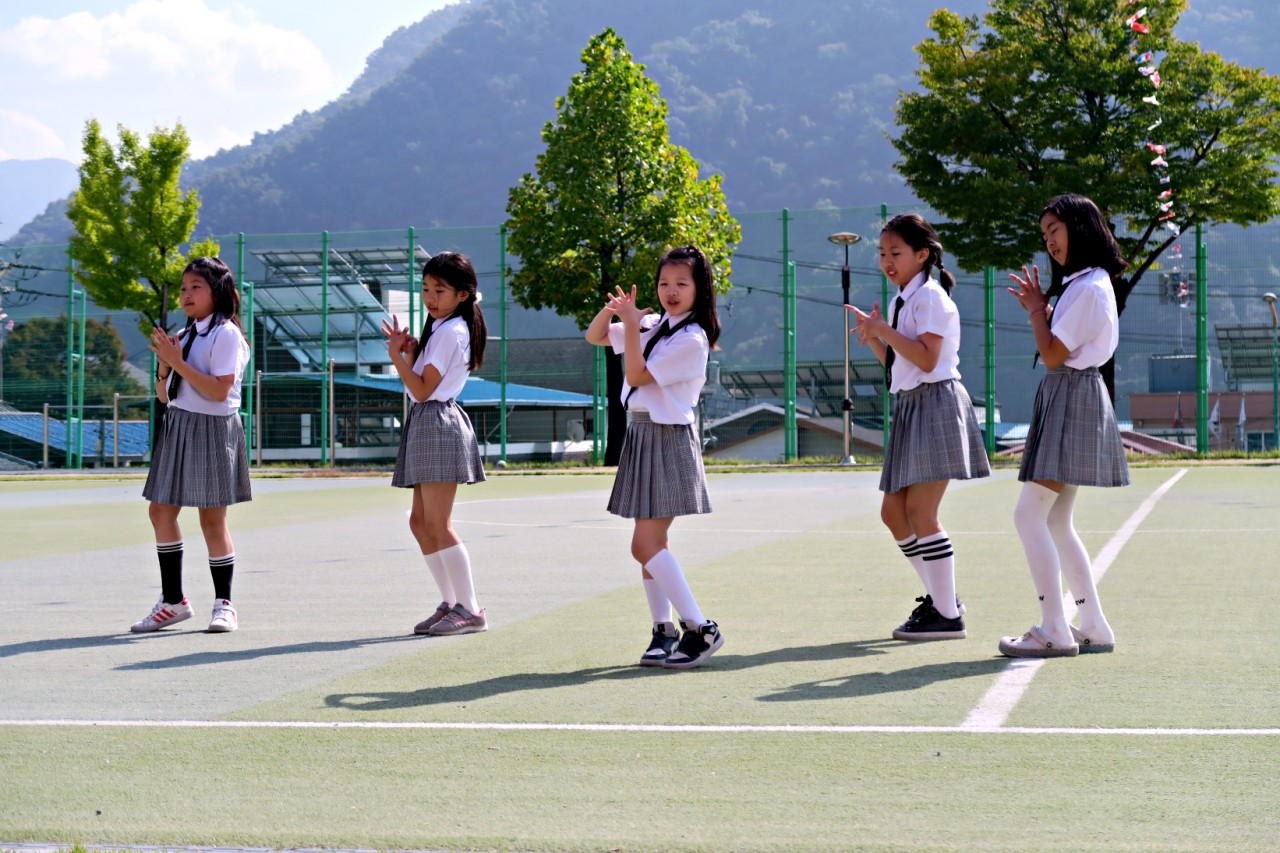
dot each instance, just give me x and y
(323, 723)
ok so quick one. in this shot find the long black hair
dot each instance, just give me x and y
(919, 234)
(455, 270)
(226, 306)
(1090, 242)
(704, 302)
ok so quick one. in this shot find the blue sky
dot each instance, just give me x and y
(224, 69)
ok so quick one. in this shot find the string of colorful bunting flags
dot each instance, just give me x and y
(1148, 68)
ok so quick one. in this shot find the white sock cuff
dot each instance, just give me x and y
(166, 547)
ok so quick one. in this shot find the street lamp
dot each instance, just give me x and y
(1270, 299)
(846, 239)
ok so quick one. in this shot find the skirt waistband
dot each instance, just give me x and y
(922, 387)
(1085, 371)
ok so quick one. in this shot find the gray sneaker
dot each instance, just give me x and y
(459, 620)
(424, 627)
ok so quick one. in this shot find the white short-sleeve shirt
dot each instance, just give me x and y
(1085, 318)
(926, 309)
(678, 365)
(221, 352)
(448, 350)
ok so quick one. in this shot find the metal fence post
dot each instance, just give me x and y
(989, 353)
(324, 349)
(115, 430)
(502, 344)
(1202, 345)
(791, 448)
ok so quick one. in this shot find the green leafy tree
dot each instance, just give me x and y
(611, 194)
(1047, 98)
(35, 364)
(132, 220)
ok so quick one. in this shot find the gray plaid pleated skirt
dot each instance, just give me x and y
(934, 436)
(1073, 437)
(660, 473)
(437, 445)
(199, 460)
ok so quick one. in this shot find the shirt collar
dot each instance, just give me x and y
(673, 319)
(202, 326)
(1075, 275)
(919, 281)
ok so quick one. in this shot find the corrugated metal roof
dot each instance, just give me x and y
(133, 434)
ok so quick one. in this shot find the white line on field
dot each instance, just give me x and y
(994, 707)
(633, 727)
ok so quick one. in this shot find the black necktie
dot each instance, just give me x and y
(664, 330)
(175, 381)
(889, 354)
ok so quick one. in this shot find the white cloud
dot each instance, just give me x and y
(225, 72)
(24, 137)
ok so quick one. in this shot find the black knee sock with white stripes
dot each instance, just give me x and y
(170, 554)
(222, 568)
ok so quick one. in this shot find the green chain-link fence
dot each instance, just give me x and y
(318, 389)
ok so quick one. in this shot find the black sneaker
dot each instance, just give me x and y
(698, 643)
(927, 601)
(660, 647)
(926, 623)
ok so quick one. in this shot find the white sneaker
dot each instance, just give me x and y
(224, 618)
(163, 615)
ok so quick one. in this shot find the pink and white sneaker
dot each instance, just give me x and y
(162, 616)
(224, 618)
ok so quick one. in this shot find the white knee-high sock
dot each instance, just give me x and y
(457, 565)
(435, 565)
(1077, 569)
(659, 604)
(911, 550)
(666, 571)
(1031, 518)
(940, 565)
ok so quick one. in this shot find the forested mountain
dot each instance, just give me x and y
(789, 101)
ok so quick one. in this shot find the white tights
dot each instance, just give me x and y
(1043, 519)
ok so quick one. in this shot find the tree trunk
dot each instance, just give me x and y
(617, 430)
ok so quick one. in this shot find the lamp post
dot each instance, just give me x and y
(1270, 299)
(846, 239)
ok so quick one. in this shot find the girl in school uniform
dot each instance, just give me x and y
(1073, 439)
(660, 473)
(438, 448)
(935, 437)
(200, 457)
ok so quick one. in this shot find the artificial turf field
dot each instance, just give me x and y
(323, 723)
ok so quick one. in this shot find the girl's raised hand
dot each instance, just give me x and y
(1029, 294)
(867, 326)
(397, 338)
(166, 346)
(623, 305)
